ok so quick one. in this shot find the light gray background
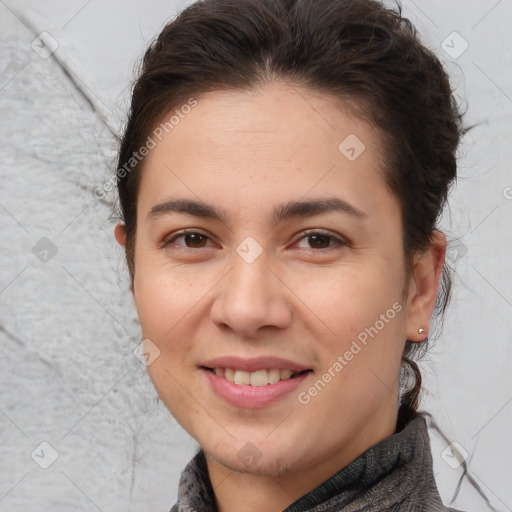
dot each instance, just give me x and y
(68, 329)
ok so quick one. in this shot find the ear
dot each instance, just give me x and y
(120, 233)
(423, 286)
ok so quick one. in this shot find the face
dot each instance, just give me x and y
(269, 253)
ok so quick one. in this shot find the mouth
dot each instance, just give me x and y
(253, 383)
(258, 378)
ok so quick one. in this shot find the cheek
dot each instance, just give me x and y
(157, 305)
(349, 299)
(362, 319)
(361, 354)
(166, 304)
(164, 296)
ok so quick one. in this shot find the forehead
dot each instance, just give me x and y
(251, 148)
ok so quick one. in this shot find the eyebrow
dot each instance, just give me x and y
(281, 212)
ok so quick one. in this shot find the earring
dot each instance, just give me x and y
(421, 331)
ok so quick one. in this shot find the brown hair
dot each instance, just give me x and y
(355, 50)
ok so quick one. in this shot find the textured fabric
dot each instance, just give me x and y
(394, 475)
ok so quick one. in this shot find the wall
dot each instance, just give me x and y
(69, 376)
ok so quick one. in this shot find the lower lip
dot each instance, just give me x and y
(252, 397)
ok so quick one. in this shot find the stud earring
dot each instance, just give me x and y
(421, 331)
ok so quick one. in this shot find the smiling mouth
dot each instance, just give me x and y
(258, 378)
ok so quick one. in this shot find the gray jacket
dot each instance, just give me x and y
(394, 475)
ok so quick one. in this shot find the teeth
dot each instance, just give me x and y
(257, 378)
(274, 375)
(242, 377)
(286, 374)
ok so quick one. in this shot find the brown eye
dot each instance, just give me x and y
(188, 240)
(195, 240)
(319, 240)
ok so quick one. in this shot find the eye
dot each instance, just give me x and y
(191, 240)
(319, 240)
(313, 240)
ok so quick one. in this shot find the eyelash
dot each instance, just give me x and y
(339, 242)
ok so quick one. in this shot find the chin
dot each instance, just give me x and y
(263, 466)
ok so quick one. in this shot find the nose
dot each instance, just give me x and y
(250, 297)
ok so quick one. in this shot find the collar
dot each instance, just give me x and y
(395, 474)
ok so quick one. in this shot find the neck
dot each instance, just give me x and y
(245, 492)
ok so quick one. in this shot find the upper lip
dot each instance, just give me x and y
(254, 364)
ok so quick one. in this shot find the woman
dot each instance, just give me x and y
(280, 178)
